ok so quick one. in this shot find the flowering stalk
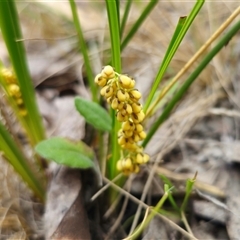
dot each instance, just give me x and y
(12, 89)
(120, 93)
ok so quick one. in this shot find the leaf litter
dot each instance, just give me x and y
(194, 138)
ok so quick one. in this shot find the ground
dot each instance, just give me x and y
(202, 134)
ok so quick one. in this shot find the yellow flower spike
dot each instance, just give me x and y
(108, 72)
(125, 81)
(136, 107)
(103, 90)
(121, 95)
(14, 90)
(135, 95)
(108, 92)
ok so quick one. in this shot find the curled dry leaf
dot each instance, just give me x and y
(65, 216)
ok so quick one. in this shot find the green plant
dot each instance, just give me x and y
(123, 122)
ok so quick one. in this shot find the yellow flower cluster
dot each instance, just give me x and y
(13, 90)
(120, 93)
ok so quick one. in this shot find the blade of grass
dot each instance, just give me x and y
(189, 186)
(138, 23)
(15, 157)
(222, 42)
(116, 63)
(83, 47)
(10, 28)
(178, 29)
(171, 51)
(125, 16)
(193, 59)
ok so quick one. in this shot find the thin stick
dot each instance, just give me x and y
(98, 193)
(144, 205)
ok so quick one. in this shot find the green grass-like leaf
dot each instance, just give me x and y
(116, 63)
(180, 32)
(15, 157)
(83, 46)
(94, 114)
(222, 42)
(62, 151)
(138, 23)
(11, 32)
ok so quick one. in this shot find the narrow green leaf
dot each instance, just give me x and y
(84, 50)
(180, 32)
(222, 42)
(11, 32)
(94, 114)
(138, 23)
(62, 151)
(15, 157)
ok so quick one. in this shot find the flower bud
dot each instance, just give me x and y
(121, 95)
(139, 158)
(108, 72)
(128, 134)
(114, 104)
(142, 135)
(100, 80)
(128, 125)
(119, 165)
(103, 90)
(109, 92)
(139, 127)
(132, 84)
(124, 81)
(121, 118)
(122, 140)
(128, 108)
(135, 95)
(14, 90)
(136, 107)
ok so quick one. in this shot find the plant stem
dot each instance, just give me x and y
(116, 62)
(83, 46)
(222, 42)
